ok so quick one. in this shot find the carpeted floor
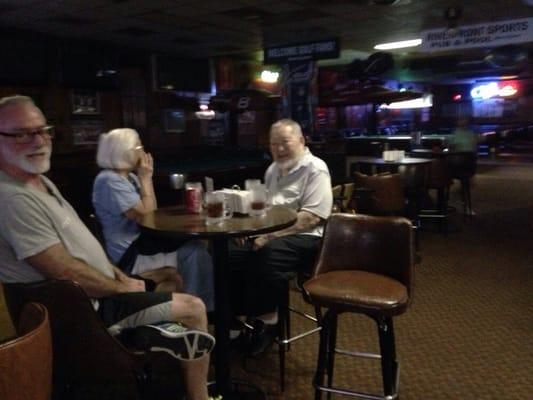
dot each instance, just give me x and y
(469, 331)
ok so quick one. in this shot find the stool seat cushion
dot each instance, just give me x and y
(358, 291)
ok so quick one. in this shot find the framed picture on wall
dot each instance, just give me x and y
(174, 121)
(85, 102)
(86, 132)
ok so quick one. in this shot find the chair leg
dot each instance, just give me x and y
(332, 342)
(389, 364)
(463, 196)
(288, 321)
(283, 319)
(322, 354)
(143, 378)
(442, 206)
(468, 198)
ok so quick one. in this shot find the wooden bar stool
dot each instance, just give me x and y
(365, 266)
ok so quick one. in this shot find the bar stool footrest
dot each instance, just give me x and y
(352, 393)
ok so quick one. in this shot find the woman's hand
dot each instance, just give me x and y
(129, 285)
(145, 169)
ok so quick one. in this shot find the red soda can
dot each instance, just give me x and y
(193, 197)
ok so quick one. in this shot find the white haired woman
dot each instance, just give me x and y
(122, 192)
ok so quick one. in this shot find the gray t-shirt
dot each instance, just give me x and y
(307, 187)
(32, 221)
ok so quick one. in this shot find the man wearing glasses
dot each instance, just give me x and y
(42, 237)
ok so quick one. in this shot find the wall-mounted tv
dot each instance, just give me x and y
(181, 75)
(87, 67)
(174, 121)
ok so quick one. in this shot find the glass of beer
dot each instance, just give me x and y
(217, 209)
(258, 201)
(177, 182)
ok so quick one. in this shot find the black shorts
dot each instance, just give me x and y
(128, 310)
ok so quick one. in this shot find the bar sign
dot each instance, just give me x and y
(319, 50)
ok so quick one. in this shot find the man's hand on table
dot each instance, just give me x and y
(260, 241)
(257, 241)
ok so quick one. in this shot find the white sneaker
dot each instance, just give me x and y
(180, 342)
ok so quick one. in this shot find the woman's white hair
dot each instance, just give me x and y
(115, 149)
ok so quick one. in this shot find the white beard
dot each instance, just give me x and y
(21, 161)
(286, 165)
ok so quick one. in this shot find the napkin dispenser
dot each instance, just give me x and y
(393, 155)
(237, 200)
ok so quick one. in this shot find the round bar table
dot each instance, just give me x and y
(175, 222)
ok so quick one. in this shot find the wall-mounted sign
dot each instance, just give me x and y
(318, 50)
(494, 89)
(490, 34)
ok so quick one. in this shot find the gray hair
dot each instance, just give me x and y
(289, 123)
(10, 101)
(115, 149)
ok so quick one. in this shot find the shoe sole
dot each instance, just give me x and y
(185, 346)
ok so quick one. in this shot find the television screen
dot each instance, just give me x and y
(85, 67)
(174, 121)
(181, 74)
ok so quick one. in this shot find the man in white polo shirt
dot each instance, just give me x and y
(300, 181)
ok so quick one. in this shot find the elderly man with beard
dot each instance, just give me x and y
(300, 181)
(42, 237)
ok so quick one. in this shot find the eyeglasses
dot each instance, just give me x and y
(27, 136)
(141, 147)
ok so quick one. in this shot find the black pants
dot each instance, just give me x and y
(146, 245)
(259, 277)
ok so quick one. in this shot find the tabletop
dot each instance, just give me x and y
(381, 161)
(175, 221)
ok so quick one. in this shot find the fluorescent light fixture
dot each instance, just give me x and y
(422, 102)
(269, 76)
(398, 45)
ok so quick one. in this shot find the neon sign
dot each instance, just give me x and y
(494, 89)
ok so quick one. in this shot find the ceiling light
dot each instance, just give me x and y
(398, 45)
(422, 102)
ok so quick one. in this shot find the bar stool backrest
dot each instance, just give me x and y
(382, 245)
(386, 193)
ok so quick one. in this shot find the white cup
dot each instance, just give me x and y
(258, 201)
(177, 181)
(217, 209)
(249, 184)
